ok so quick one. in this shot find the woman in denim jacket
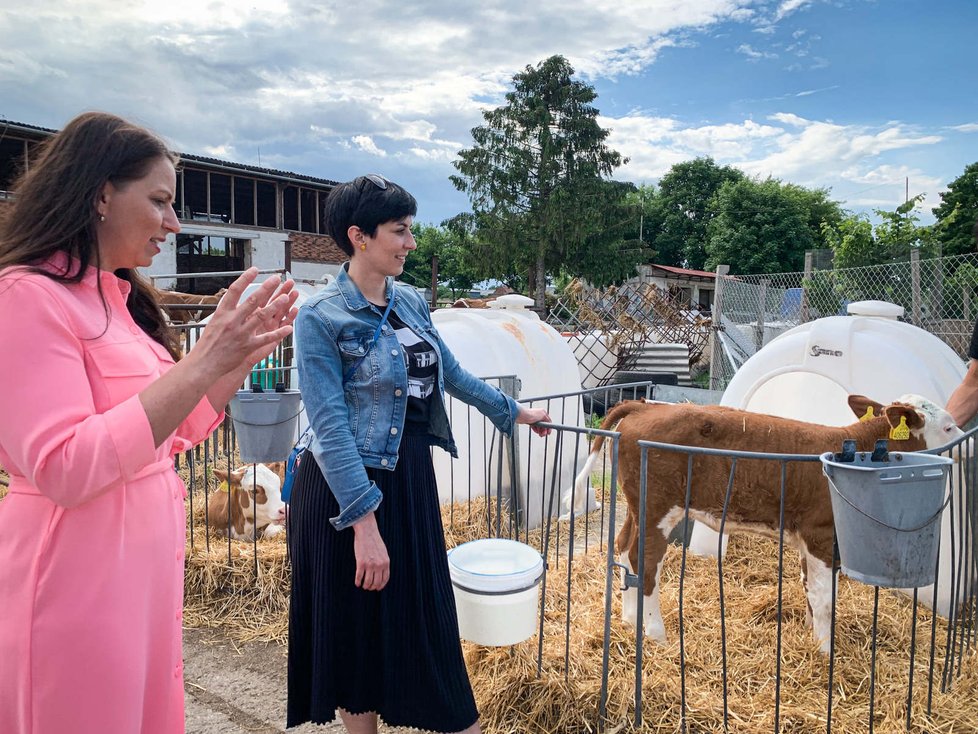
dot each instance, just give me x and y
(372, 625)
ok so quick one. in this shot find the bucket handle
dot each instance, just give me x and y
(862, 512)
(480, 592)
(260, 425)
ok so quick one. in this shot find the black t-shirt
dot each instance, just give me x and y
(421, 361)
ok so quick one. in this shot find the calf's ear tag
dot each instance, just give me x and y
(868, 415)
(902, 431)
(222, 487)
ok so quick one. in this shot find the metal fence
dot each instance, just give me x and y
(938, 295)
(620, 328)
(944, 656)
(583, 656)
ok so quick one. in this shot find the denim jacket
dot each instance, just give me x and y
(358, 421)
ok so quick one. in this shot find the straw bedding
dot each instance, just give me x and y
(222, 591)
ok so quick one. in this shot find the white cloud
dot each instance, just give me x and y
(753, 54)
(367, 145)
(326, 88)
(787, 7)
(851, 160)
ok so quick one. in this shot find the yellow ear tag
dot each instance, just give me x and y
(902, 431)
(222, 487)
(868, 415)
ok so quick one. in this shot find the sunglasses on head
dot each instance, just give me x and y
(376, 179)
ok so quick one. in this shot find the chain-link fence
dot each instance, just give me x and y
(938, 295)
(625, 327)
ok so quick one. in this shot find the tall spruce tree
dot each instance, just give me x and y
(536, 175)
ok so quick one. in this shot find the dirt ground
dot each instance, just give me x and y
(236, 688)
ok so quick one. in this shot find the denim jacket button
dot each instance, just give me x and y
(398, 393)
(393, 431)
(384, 462)
(394, 352)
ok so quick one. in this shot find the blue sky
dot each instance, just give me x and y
(857, 96)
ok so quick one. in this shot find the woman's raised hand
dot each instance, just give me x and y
(243, 331)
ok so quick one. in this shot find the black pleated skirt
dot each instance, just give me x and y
(395, 652)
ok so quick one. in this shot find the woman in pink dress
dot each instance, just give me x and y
(93, 407)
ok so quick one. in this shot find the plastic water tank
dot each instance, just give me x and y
(508, 339)
(808, 372)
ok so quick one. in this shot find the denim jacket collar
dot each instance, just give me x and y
(351, 293)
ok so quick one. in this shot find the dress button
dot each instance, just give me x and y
(398, 393)
(384, 462)
(393, 431)
(134, 329)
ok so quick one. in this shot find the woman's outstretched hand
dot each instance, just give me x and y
(243, 331)
(531, 416)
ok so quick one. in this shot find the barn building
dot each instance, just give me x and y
(232, 216)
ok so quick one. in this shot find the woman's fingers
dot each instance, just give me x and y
(233, 295)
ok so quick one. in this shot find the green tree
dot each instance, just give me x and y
(957, 213)
(448, 243)
(821, 209)
(536, 172)
(758, 227)
(898, 232)
(683, 211)
(852, 242)
(615, 246)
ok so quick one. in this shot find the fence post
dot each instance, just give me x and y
(915, 284)
(434, 282)
(937, 292)
(511, 385)
(761, 306)
(803, 312)
(716, 353)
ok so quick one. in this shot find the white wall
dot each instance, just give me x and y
(265, 249)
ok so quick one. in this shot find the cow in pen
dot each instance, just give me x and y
(755, 499)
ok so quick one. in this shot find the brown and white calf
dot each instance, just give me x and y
(755, 499)
(249, 501)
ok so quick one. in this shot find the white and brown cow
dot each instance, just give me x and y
(756, 495)
(184, 315)
(249, 501)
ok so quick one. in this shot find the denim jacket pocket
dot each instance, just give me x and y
(354, 351)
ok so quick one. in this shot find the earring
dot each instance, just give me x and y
(101, 217)
(363, 246)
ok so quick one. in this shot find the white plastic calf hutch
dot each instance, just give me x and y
(808, 372)
(509, 339)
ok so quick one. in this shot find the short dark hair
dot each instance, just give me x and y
(366, 202)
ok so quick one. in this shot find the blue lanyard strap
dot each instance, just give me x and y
(373, 341)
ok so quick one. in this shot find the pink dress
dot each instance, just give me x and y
(92, 530)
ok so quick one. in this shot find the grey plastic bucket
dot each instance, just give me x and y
(266, 424)
(887, 516)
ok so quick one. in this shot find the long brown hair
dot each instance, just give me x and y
(54, 209)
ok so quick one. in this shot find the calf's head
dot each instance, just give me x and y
(255, 495)
(929, 425)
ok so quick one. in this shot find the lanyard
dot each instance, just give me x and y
(373, 341)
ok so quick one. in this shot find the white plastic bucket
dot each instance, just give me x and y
(496, 584)
(266, 424)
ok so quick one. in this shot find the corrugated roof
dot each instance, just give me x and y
(204, 160)
(684, 272)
